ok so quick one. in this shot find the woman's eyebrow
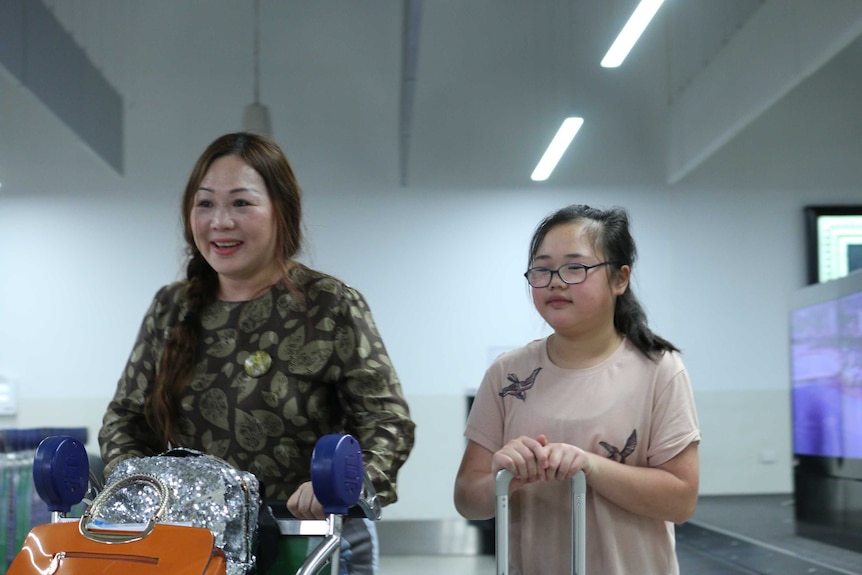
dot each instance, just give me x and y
(233, 191)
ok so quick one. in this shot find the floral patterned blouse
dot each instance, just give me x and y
(328, 372)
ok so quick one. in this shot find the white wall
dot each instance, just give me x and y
(83, 251)
(441, 270)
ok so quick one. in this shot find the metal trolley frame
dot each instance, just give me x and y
(579, 520)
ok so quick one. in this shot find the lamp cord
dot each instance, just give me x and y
(256, 51)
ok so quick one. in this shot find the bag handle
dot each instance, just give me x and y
(137, 480)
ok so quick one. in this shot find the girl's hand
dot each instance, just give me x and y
(564, 461)
(303, 504)
(525, 457)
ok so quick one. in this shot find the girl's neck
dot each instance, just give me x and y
(580, 353)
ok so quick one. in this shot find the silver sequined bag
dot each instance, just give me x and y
(205, 491)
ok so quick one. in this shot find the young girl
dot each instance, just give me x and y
(602, 393)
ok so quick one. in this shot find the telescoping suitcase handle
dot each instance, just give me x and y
(579, 521)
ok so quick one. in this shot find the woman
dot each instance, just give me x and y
(254, 356)
(602, 393)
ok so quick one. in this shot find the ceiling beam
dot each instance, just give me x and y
(409, 59)
(43, 56)
(782, 44)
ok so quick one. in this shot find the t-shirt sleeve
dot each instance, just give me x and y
(485, 420)
(674, 417)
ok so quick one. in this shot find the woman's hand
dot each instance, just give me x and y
(304, 505)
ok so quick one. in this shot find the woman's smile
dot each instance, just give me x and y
(225, 247)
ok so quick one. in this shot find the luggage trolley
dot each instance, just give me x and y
(344, 490)
(579, 520)
(62, 475)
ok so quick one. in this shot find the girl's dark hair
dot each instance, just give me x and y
(608, 231)
(178, 356)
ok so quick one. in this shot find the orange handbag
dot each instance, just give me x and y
(79, 548)
(62, 549)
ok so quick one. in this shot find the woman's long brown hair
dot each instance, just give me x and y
(177, 361)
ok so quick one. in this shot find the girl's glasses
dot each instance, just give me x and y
(569, 273)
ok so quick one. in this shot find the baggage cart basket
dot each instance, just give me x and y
(61, 470)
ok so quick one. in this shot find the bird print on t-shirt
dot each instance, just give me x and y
(519, 388)
(620, 455)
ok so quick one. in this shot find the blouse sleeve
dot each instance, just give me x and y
(125, 432)
(370, 395)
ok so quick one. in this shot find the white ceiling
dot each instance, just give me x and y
(493, 79)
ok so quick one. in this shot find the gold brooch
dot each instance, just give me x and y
(258, 363)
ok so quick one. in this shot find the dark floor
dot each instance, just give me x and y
(755, 534)
(728, 535)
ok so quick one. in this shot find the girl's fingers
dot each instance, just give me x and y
(564, 461)
(525, 457)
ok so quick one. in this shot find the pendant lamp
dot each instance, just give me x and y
(255, 117)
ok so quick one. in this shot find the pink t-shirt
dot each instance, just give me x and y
(628, 408)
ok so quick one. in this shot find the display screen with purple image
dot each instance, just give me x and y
(826, 376)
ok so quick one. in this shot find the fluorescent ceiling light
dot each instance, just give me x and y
(561, 141)
(630, 33)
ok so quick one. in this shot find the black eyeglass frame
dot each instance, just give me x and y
(585, 267)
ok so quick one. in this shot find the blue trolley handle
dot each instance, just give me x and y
(579, 521)
(337, 476)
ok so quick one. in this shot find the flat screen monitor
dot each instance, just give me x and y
(826, 375)
(834, 241)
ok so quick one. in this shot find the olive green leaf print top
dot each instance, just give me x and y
(329, 373)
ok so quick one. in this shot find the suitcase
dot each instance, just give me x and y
(579, 521)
